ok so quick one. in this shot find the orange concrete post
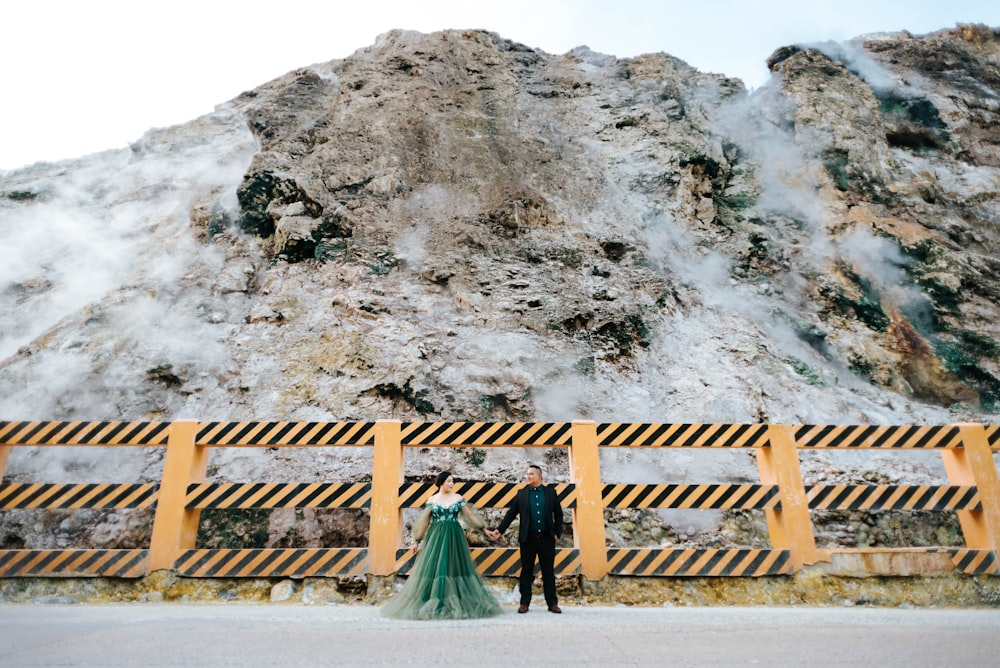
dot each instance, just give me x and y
(175, 528)
(790, 527)
(973, 464)
(385, 532)
(588, 517)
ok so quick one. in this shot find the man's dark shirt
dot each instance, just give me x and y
(536, 503)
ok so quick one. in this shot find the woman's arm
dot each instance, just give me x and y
(420, 528)
(472, 516)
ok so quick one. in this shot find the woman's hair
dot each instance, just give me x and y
(441, 477)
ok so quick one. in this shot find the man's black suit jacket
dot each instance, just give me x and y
(519, 506)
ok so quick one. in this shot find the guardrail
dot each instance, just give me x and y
(178, 499)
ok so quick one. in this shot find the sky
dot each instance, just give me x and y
(81, 77)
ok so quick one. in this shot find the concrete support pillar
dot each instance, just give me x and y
(973, 464)
(385, 532)
(790, 527)
(175, 528)
(588, 518)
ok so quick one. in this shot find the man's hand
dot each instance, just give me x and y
(492, 535)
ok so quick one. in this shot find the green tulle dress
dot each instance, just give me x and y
(443, 583)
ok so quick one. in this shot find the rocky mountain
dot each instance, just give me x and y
(455, 226)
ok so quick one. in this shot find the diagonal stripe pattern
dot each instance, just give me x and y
(279, 495)
(892, 497)
(975, 562)
(479, 494)
(259, 563)
(77, 496)
(877, 436)
(84, 433)
(500, 561)
(721, 496)
(619, 434)
(275, 434)
(692, 562)
(71, 563)
(525, 434)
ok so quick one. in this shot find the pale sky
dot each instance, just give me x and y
(80, 76)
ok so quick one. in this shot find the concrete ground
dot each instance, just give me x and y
(239, 634)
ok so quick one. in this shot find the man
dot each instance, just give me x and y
(541, 524)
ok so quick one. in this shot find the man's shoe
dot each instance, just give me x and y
(555, 609)
(522, 609)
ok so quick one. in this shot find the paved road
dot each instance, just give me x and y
(296, 635)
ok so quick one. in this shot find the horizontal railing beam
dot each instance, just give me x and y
(973, 493)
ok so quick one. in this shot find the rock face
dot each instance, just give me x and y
(458, 227)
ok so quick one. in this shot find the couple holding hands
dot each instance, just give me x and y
(444, 583)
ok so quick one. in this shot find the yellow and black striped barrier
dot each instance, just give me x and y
(73, 563)
(278, 495)
(84, 433)
(288, 562)
(77, 496)
(877, 436)
(479, 494)
(892, 497)
(513, 434)
(975, 562)
(698, 562)
(973, 493)
(500, 561)
(277, 434)
(718, 496)
(993, 436)
(618, 434)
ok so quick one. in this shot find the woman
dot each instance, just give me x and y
(443, 583)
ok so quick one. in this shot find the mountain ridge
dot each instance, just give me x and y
(570, 168)
(633, 189)
(457, 227)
